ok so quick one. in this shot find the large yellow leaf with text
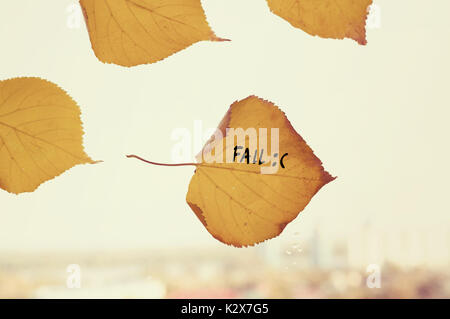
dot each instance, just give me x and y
(237, 203)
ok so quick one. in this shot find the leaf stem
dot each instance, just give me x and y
(161, 164)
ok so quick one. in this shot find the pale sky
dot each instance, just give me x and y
(377, 116)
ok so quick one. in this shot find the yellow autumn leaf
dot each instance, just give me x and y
(40, 133)
(335, 19)
(134, 32)
(238, 202)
